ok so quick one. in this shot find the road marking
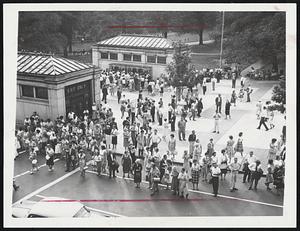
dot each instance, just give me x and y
(24, 173)
(47, 186)
(206, 193)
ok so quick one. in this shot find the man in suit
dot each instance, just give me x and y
(152, 111)
(105, 93)
(218, 103)
(111, 161)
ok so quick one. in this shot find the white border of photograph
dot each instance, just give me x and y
(10, 26)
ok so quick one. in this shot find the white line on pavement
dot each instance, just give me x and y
(24, 173)
(47, 186)
(206, 193)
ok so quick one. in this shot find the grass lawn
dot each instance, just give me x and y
(206, 48)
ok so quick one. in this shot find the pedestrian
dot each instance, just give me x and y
(269, 175)
(175, 181)
(234, 168)
(263, 119)
(183, 183)
(165, 129)
(210, 147)
(218, 102)
(239, 147)
(192, 139)
(181, 129)
(243, 80)
(205, 162)
(271, 118)
(199, 107)
(233, 98)
(197, 152)
(233, 79)
(241, 94)
(33, 159)
(114, 137)
(273, 150)
(186, 159)
(111, 161)
(217, 118)
(167, 179)
(204, 85)
(249, 91)
(137, 172)
(223, 164)
(195, 172)
(173, 120)
(213, 83)
(230, 148)
(162, 167)
(141, 142)
(172, 145)
(104, 93)
(126, 163)
(98, 161)
(119, 94)
(82, 162)
(227, 109)
(215, 172)
(49, 157)
(256, 173)
(155, 178)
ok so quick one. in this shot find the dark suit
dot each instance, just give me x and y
(218, 104)
(111, 158)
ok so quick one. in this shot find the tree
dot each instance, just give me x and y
(279, 94)
(250, 36)
(179, 69)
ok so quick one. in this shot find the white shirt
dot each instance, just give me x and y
(215, 171)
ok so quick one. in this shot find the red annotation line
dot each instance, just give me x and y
(136, 200)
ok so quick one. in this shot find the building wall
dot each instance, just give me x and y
(157, 69)
(55, 105)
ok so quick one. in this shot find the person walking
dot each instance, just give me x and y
(181, 129)
(233, 98)
(172, 145)
(186, 159)
(162, 167)
(223, 164)
(256, 173)
(218, 102)
(234, 168)
(104, 94)
(273, 150)
(111, 161)
(82, 162)
(233, 79)
(217, 118)
(227, 109)
(173, 120)
(204, 85)
(215, 172)
(230, 148)
(269, 175)
(175, 181)
(192, 138)
(126, 163)
(195, 173)
(239, 147)
(119, 94)
(155, 178)
(263, 119)
(183, 183)
(213, 83)
(249, 91)
(137, 172)
(49, 157)
(210, 147)
(199, 107)
(259, 107)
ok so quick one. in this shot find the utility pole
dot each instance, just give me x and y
(222, 35)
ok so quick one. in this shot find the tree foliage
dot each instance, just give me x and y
(279, 92)
(179, 70)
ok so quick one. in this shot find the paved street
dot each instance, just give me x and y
(119, 196)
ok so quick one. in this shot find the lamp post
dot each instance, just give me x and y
(222, 35)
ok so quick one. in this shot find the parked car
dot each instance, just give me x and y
(55, 209)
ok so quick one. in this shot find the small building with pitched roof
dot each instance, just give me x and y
(134, 53)
(53, 86)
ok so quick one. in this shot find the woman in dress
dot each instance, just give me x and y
(126, 138)
(137, 172)
(272, 150)
(186, 159)
(114, 138)
(195, 171)
(175, 181)
(239, 144)
(197, 151)
(126, 163)
(172, 145)
(269, 175)
(82, 162)
(49, 157)
(229, 148)
(223, 164)
(183, 183)
(167, 179)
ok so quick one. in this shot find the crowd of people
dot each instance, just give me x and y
(92, 138)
